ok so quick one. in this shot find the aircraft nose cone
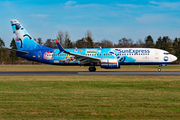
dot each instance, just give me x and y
(174, 58)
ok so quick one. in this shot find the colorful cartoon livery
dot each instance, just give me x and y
(109, 58)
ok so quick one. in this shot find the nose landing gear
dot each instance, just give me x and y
(159, 69)
(160, 65)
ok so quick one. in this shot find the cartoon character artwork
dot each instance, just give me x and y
(76, 50)
(48, 55)
(67, 60)
(20, 32)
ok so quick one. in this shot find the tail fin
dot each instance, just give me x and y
(23, 40)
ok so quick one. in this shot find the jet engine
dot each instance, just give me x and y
(110, 64)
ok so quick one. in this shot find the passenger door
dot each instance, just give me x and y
(156, 54)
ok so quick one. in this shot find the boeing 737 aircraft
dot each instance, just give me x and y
(109, 58)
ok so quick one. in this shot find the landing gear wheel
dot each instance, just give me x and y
(92, 69)
(159, 69)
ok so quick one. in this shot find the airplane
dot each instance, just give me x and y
(108, 58)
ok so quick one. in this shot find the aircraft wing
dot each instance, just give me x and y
(84, 59)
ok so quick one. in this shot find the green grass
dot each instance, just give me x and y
(77, 68)
(89, 97)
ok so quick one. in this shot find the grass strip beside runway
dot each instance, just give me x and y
(89, 97)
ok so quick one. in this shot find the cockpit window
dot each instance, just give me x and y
(166, 53)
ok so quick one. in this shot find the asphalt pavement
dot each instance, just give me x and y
(97, 73)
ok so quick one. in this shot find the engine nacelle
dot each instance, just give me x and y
(110, 63)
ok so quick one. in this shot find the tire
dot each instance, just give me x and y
(92, 69)
(159, 69)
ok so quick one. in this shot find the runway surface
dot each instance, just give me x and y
(98, 73)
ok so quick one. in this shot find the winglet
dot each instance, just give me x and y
(59, 46)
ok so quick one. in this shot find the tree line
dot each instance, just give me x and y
(165, 43)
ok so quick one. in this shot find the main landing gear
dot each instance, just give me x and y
(92, 69)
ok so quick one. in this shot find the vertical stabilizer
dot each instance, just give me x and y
(23, 40)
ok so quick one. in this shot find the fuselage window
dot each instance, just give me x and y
(166, 53)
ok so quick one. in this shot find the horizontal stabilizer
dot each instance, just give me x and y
(18, 51)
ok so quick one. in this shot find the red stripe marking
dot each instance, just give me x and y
(56, 40)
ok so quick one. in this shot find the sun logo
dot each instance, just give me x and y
(165, 58)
